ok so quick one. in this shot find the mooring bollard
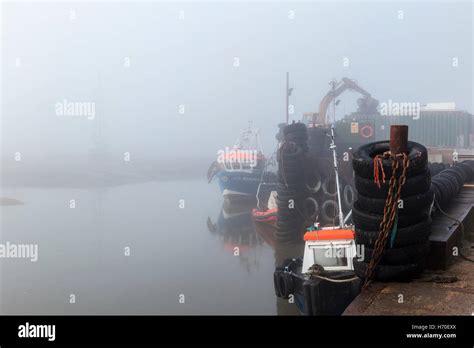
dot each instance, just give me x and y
(398, 139)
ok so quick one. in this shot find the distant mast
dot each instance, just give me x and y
(288, 93)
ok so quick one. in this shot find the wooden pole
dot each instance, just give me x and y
(398, 139)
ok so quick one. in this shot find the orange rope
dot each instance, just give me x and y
(378, 165)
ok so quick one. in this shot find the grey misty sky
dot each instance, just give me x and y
(190, 62)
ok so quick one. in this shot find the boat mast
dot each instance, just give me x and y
(287, 97)
(334, 154)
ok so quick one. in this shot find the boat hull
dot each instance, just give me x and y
(317, 296)
(239, 184)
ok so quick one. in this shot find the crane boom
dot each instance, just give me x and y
(345, 84)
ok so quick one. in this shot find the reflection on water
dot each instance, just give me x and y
(242, 237)
(237, 233)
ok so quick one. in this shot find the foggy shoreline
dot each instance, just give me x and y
(99, 172)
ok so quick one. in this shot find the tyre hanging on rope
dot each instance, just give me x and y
(311, 209)
(349, 196)
(329, 186)
(330, 212)
(312, 180)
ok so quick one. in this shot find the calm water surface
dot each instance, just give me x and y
(208, 251)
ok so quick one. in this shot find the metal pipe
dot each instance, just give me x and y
(336, 172)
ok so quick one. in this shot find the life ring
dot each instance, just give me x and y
(366, 131)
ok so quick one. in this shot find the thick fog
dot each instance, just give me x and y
(179, 80)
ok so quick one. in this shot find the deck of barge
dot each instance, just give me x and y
(447, 288)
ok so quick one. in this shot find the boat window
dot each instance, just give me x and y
(331, 256)
(227, 165)
(235, 165)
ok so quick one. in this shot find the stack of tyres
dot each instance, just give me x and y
(408, 243)
(297, 133)
(290, 190)
(436, 168)
(468, 168)
(449, 182)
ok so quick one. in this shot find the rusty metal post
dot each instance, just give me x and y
(398, 139)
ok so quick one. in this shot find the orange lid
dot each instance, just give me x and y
(329, 234)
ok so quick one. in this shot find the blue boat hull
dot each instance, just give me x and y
(239, 183)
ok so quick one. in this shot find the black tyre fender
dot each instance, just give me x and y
(276, 286)
(293, 187)
(468, 170)
(294, 127)
(288, 215)
(285, 207)
(386, 273)
(289, 224)
(329, 204)
(311, 209)
(413, 186)
(284, 201)
(291, 166)
(297, 137)
(287, 238)
(312, 180)
(456, 173)
(289, 151)
(285, 284)
(469, 163)
(445, 190)
(401, 255)
(465, 173)
(452, 182)
(363, 159)
(413, 234)
(438, 191)
(436, 168)
(447, 186)
(349, 195)
(407, 205)
(328, 183)
(290, 178)
(290, 161)
(285, 219)
(290, 171)
(371, 222)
